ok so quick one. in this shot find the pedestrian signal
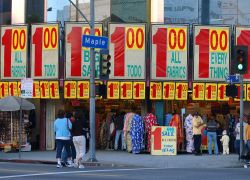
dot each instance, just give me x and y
(231, 90)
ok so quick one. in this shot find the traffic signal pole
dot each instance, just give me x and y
(241, 115)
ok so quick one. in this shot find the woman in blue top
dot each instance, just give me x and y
(62, 127)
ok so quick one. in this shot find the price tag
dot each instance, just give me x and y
(168, 90)
(139, 90)
(126, 90)
(181, 91)
(19, 88)
(83, 89)
(113, 90)
(211, 92)
(54, 90)
(248, 92)
(70, 89)
(13, 89)
(198, 91)
(36, 90)
(245, 92)
(155, 90)
(221, 96)
(4, 89)
(44, 90)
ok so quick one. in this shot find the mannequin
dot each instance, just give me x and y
(189, 133)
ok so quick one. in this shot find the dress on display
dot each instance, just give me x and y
(176, 122)
(189, 133)
(137, 132)
(126, 130)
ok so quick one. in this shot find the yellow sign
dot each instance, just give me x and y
(83, 89)
(54, 90)
(245, 92)
(126, 90)
(168, 90)
(134, 38)
(44, 90)
(70, 89)
(177, 39)
(19, 88)
(219, 40)
(198, 91)
(211, 92)
(163, 140)
(155, 90)
(248, 92)
(50, 37)
(4, 89)
(13, 89)
(181, 91)
(221, 95)
(19, 39)
(139, 90)
(36, 89)
(113, 90)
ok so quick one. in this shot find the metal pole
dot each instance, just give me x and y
(241, 116)
(84, 17)
(92, 157)
(20, 130)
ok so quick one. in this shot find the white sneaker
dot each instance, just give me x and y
(75, 165)
(81, 166)
(59, 165)
(69, 164)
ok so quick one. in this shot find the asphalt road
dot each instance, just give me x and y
(41, 171)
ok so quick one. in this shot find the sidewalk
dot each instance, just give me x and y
(119, 158)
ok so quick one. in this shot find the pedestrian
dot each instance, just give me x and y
(237, 131)
(225, 142)
(119, 123)
(248, 139)
(197, 127)
(212, 135)
(62, 127)
(219, 135)
(79, 139)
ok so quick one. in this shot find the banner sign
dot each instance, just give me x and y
(168, 90)
(211, 92)
(113, 90)
(44, 51)
(242, 37)
(44, 90)
(78, 57)
(13, 89)
(13, 52)
(139, 90)
(163, 140)
(169, 51)
(127, 49)
(36, 89)
(155, 90)
(70, 89)
(83, 89)
(211, 52)
(222, 93)
(4, 89)
(54, 90)
(198, 91)
(181, 91)
(126, 90)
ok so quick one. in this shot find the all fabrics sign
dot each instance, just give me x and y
(211, 52)
(169, 49)
(13, 52)
(242, 37)
(127, 49)
(44, 51)
(78, 57)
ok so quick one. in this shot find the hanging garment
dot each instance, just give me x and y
(137, 132)
(149, 120)
(168, 118)
(189, 133)
(176, 122)
(126, 130)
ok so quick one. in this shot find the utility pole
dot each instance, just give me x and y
(241, 115)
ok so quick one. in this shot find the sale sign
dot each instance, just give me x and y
(181, 91)
(13, 51)
(54, 90)
(221, 96)
(83, 89)
(245, 92)
(126, 90)
(78, 57)
(155, 90)
(13, 89)
(211, 52)
(168, 90)
(4, 89)
(36, 89)
(163, 140)
(169, 49)
(242, 38)
(44, 51)
(139, 90)
(113, 90)
(211, 92)
(127, 49)
(44, 90)
(70, 89)
(198, 91)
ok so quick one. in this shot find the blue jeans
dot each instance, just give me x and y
(212, 136)
(73, 152)
(59, 147)
(117, 136)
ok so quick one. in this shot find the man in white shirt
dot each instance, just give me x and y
(237, 131)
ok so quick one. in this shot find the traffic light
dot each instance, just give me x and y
(101, 90)
(231, 90)
(241, 59)
(104, 64)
